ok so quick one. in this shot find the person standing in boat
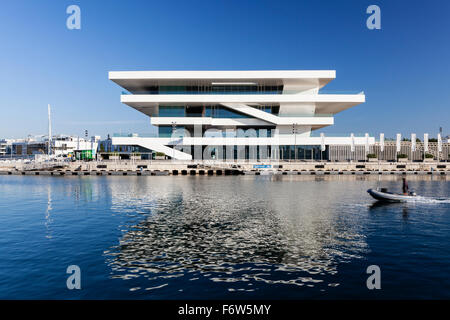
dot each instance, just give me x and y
(405, 187)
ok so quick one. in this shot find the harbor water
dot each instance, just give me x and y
(222, 237)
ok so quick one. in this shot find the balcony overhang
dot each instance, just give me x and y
(325, 103)
(159, 144)
(139, 80)
(317, 122)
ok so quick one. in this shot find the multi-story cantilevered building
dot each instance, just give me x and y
(235, 114)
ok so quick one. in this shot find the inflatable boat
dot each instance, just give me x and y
(382, 194)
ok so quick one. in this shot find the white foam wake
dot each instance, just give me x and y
(422, 199)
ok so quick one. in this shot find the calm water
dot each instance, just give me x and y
(221, 237)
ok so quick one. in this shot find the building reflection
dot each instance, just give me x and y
(48, 218)
(83, 189)
(234, 229)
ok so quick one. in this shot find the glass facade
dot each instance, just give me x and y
(171, 111)
(302, 153)
(240, 132)
(222, 112)
(214, 111)
(166, 131)
(211, 89)
(258, 153)
(194, 111)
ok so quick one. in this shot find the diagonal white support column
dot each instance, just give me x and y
(151, 144)
(243, 108)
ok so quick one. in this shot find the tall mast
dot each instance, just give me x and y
(49, 131)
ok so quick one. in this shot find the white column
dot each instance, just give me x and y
(366, 146)
(322, 142)
(352, 142)
(399, 142)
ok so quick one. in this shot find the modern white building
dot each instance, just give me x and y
(236, 114)
(61, 145)
(3, 147)
(64, 145)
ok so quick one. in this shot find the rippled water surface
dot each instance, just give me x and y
(200, 237)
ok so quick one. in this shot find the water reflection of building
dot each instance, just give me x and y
(220, 230)
(48, 218)
(79, 189)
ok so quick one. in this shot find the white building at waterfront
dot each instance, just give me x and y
(3, 147)
(236, 114)
(64, 145)
(61, 145)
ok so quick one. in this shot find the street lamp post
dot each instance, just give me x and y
(174, 127)
(294, 131)
(352, 146)
(322, 145)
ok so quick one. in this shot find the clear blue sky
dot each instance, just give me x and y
(403, 68)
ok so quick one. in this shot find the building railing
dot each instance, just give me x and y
(315, 134)
(352, 92)
(137, 135)
(340, 92)
(302, 115)
(204, 92)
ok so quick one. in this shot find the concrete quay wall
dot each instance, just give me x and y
(146, 168)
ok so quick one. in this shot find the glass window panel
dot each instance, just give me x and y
(171, 111)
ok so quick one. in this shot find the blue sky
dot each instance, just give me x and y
(403, 68)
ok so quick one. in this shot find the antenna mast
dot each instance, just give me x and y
(49, 131)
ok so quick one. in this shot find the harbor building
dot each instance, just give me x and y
(237, 115)
(61, 145)
(79, 147)
(3, 147)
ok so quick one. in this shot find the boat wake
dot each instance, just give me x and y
(430, 200)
